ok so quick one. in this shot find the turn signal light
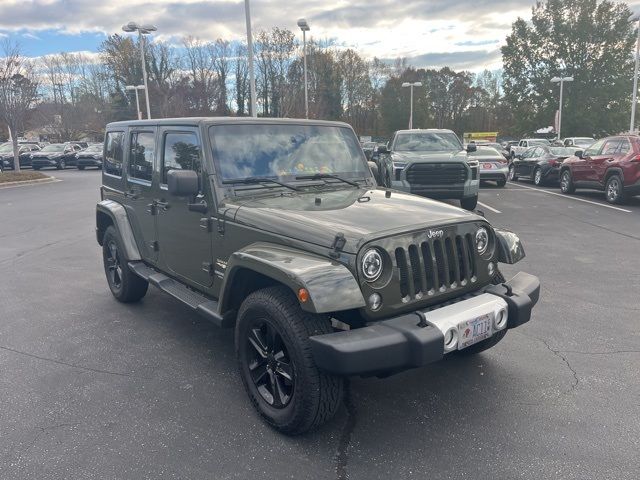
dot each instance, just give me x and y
(303, 295)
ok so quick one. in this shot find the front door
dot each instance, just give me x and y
(599, 164)
(581, 169)
(139, 190)
(185, 242)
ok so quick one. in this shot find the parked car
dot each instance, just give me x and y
(290, 233)
(498, 146)
(432, 163)
(611, 164)
(90, 157)
(525, 143)
(368, 148)
(24, 154)
(492, 164)
(579, 142)
(58, 155)
(540, 164)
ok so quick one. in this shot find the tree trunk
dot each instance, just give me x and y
(16, 157)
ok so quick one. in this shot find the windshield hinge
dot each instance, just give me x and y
(338, 244)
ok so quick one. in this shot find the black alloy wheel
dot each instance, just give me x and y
(512, 173)
(566, 182)
(537, 177)
(269, 364)
(112, 265)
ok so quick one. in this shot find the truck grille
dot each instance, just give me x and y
(436, 173)
(436, 266)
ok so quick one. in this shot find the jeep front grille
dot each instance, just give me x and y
(436, 173)
(436, 265)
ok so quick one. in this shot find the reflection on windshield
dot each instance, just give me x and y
(6, 148)
(271, 150)
(562, 151)
(53, 148)
(427, 142)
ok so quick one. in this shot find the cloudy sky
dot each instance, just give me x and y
(459, 33)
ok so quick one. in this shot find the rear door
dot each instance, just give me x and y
(185, 241)
(139, 189)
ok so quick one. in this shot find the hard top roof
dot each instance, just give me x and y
(196, 121)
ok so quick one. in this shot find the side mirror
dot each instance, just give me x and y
(472, 147)
(183, 183)
(382, 149)
(579, 153)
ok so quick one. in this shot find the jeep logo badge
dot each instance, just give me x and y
(435, 234)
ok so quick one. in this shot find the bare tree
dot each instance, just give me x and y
(221, 55)
(18, 92)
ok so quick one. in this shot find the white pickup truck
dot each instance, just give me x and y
(524, 144)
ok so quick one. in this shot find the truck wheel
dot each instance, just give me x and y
(125, 285)
(469, 203)
(276, 364)
(566, 182)
(614, 189)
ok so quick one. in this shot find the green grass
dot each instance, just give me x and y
(6, 177)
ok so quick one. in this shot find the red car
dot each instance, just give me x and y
(611, 164)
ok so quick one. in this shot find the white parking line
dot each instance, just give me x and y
(489, 208)
(568, 197)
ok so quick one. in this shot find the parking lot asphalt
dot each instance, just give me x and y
(90, 388)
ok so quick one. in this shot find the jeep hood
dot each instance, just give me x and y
(359, 214)
(460, 156)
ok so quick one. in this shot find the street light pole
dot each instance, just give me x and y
(411, 85)
(142, 31)
(252, 78)
(136, 88)
(561, 81)
(635, 84)
(304, 26)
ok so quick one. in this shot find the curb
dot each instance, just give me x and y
(28, 182)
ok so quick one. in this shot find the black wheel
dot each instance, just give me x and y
(469, 203)
(512, 173)
(125, 285)
(61, 165)
(501, 183)
(36, 168)
(537, 177)
(566, 182)
(276, 364)
(614, 189)
(80, 167)
(492, 341)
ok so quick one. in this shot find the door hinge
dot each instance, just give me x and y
(207, 224)
(208, 267)
(154, 246)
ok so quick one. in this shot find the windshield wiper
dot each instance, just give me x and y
(260, 180)
(320, 176)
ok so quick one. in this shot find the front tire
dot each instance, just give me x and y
(469, 203)
(501, 183)
(276, 364)
(61, 165)
(125, 285)
(566, 182)
(80, 167)
(537, 177)
(614, 189)
(512, 173)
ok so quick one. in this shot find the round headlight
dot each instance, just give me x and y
(371, 265)
(482, 240)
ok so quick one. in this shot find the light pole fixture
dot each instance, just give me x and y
(411, 85)
(136, 88)
(635, 81)
(252, 77)
(304, 26)
(561, 81)
(142, 31)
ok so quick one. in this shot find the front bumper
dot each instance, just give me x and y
(44, 162)
(402, 342)
(88, 162)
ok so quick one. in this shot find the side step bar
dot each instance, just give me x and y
(203, 305)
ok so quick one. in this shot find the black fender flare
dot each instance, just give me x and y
(331, 286)
(118, 215)
(613, 171)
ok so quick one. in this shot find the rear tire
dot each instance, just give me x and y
(276, 364)
(512, 173)
(80, 167)
(566, 182)
(36, 168)
(469, 203)
(125, 285)
(614, 189)
(61, 165)
(537, 177)
(501, 183)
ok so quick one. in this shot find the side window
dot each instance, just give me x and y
(181, 151)
(610, 147)
(594, 149)
(141, 153)
(625, 147)
(113, 153)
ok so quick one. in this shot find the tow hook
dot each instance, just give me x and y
(423, 320)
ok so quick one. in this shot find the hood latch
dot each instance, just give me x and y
(338, 244)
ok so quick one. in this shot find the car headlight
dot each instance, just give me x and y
(482, 240)
(371, 265)
(399, 165)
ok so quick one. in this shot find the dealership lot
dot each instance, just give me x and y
(92, 388)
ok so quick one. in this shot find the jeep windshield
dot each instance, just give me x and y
(285, 152)
(427, 142)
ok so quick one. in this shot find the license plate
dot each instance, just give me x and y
(487, 166)
(474, 331)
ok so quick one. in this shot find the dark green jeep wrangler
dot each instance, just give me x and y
(278, 229)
